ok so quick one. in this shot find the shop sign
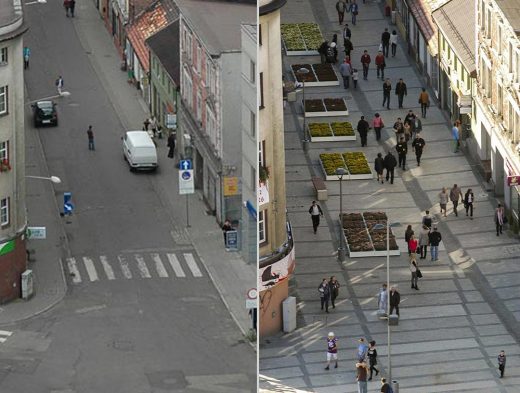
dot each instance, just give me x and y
(513, 181)
(230, 186)
(263, 194)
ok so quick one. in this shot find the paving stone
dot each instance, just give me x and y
(479, 308)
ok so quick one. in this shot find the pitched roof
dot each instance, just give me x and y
(422, 12)
(155, 17)
(165, 45)
(511, 10)
(460, 32)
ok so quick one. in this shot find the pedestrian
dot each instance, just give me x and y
(398, 129)
(400, 92)
(435, 238)
(354, 10)
(225, 229)
(59, 84)
(347, 33)
(427, 219)
(407, 131)
(332, 350)
(377, 123)
(363, 128)
(393, 42)
(324, 291)
(341, 7)
(379, 166)
(500, 219)
(362, 350)
(468, 202)
(385, 386)
(409, 116)
(387, 89)
(418, 145)
(502, 363)
(417, 124)
(443, 199)
(382, 303)
(455, 195)
(26, 55)
(90, 136)
(402, 150)
(413, 244)
(385, 40)
(315, 212)
(345, 70)
(171, 145)
(322, 50)
(390, 163)
(365, 62)
(380, 65)
(424, 100)
(332, 54)
(361, 377)
(153, 125)
(72, 5)
(66, 5)
(395, 299)
(455, 134)
(347, 44)
(146, 123)
(407, 236)
(372, 358)
(334, 290)
(413, 270)
(424, 240)
(355, 77)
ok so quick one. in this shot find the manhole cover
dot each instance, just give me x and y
(167, 380)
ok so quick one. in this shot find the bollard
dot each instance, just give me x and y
(395, 386)
(341, 254)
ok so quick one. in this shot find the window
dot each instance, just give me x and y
(199, 105)
(252, 126)
(261, 90)
(260, 34)
(262, 227)
(443, 44)
(3, 55)
(253, 182)
(199, 59)
(499, 39)
(261, 155)
(4, 211)
(500, 99)
(510, 57)
(209, 75)
(252, 71)
(3, 99)
(4, 151)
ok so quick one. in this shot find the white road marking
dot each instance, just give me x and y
(192, 265)
(88, 309)
(73, 269)
(124, 267)
(4, 333)
(159, 267)
(91, 269)
(141, 265)
(107, 268)
(176, 266)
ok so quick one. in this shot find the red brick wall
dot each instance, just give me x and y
(12, 265)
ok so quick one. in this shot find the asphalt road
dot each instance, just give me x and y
(141, 313)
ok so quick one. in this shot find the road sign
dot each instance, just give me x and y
(68, 207)
(186, 183)
(185, 165)
(252, 293)
(251, 303)
(513, 181)
(36, 233)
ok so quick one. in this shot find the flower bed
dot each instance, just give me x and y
(301, 39)
(361, 172)
(329, 163)
(325, 72)
(331, 132)
(335, 104)
(319, 75)
(314, 106)
(320, 130)
(331, 107)
(357, 164)
(308, 78)
(343, 129)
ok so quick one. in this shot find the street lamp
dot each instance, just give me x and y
(389, 344)
(36, 2)
(303, 72)
(340, 172)
(54, 179)
(62, 94)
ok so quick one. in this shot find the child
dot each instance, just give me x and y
(355, 76)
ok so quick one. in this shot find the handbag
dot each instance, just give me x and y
(419, 274)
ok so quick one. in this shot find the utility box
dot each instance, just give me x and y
(27, 284)
(289, 314)
(395, 386)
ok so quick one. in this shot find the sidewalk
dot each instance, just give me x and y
(451, 330)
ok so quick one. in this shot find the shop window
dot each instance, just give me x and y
(262, 227)
(4, 212)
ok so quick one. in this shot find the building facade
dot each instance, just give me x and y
(13, 219)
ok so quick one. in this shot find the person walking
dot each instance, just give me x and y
(72, 5)
(393, 42)
(362, 350)
(341, 7)
(361, 377)
(435, 238)
(379, 166)
(407, 236)
(332, 54)
(395, 299)
(387, 89)
(382, 300)
(345, 70)
(153, 124)
(443, 199)
(500, 219)
(385, 386)
(413, 270)
(354, 10)
(66, 5)
(502, 363)
(455, 134)
(59, 84)
(402, 150)
(347, 33)
(407, 129)
(469, 197)
(26, 55)
(424, 240)
(171, 145)
(355, 77)
(398, 129)
(348, 47)
(400, 92)
(455, 196)
(226, 227)
(390, 163)
(385, 40)
(363, 128)
(334, 290)
(377, 123)
(413, 244)
(324, 291)
(90, 136)
(365, 62)
(424, 100)
(372, 358)
(427, 219)
(418, 145)
(380, 65)
(322, 50)
(332, 350)
(417, 125)
(315, 212)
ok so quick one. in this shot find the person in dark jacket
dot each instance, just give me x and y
(379, 166)
(322, 50)
(390, 163)
(407, 236)
(226, 228)
(402, 150)
(502, 363)
(385, 40)
(332, 53)
(468, 202)
(315, 212)
(334, 290)
(372, 359)
(418, 145)
(363, 128)
(324, 291)
(400, 91)
(387, 89)
(347, 44)
(395, 299)
(171, 145)
(365, 61)
(435, 239)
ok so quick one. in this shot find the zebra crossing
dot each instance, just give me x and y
(132, 266)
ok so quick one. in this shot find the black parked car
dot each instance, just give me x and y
(45, 113)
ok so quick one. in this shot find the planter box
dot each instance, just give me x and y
(303, 39)
(332, 137)
(317, 82)
(326, 113)
(348, 176)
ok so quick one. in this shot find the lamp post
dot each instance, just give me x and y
(54, 179)
(340, 172)
(303, 73)
(389, 344)
(36, 2)
(63, 94)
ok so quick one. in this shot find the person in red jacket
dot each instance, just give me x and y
(365, 61)
(380, 64)
(412, 246)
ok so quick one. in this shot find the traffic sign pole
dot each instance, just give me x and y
(187, 211)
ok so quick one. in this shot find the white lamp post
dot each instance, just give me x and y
(63, 94)
(54, 179)
(303, 72)
(340, 172)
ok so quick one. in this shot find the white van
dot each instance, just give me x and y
(139, 150)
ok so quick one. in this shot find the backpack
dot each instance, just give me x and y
(389, 390)
(330, 54)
